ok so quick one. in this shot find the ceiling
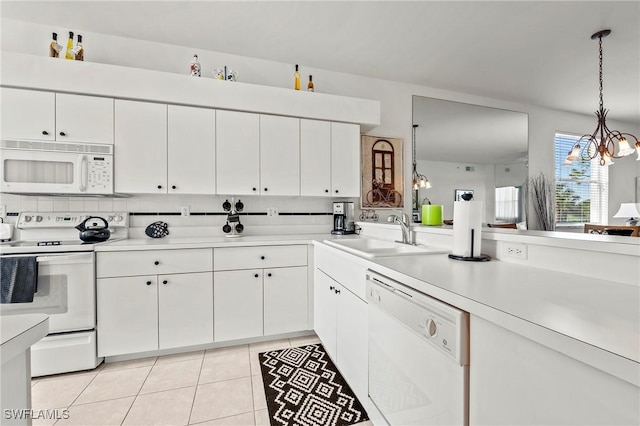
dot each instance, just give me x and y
(537, 52)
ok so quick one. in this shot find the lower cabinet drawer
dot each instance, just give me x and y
(146, 262)
(230, 258)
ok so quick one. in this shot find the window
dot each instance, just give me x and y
(509, 204)
(582, 188)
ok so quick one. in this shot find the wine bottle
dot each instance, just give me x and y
(69, 54)
(296, 76)
(310, 84)
(54, 47)
(78, 51)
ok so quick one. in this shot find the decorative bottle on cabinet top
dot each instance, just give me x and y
(69, 54)
(54, 47)
(310, 85)
(296, 77)
(194, 66)
(78, 51)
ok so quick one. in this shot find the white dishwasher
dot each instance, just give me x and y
(418, 356)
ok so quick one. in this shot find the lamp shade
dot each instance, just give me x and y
(628, 210)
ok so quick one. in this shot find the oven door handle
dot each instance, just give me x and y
(86, 257)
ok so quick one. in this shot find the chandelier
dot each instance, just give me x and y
(419, 181)
(603, 142)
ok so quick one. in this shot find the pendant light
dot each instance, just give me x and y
(603, 142)
(419, 181)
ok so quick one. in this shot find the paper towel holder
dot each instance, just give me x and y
(479, 258)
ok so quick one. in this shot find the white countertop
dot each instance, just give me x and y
(19, 332)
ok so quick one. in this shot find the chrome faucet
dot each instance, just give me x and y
(404, 222)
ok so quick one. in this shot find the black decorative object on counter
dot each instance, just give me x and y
(157, 230)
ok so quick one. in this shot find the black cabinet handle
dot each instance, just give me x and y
(261, 257)
(331, 287)
(148, 282)
(336, 191)
(164, 282)
(63, 134)
(173, 187)
(266, 189)
(256, 275)
(337, 291)
(44, 132)
(326, 190)
(269, 274)
(254, 189)
(156, 263)
(159, 186)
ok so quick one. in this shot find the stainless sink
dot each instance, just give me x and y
(371, 247)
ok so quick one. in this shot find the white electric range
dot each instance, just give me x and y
(66, 286)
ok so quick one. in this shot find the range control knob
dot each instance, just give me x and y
(38, 218)
(118, 218)
(109, 218)
(431, 328)
(27, 218)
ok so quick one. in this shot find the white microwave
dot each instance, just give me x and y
(34, 167)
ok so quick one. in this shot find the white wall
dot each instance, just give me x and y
(395, 97)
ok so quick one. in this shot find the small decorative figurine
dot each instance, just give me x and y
(195, 67)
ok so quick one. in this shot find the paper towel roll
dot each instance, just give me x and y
(431, 214)
(467, 215)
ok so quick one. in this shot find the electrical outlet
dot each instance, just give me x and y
(272, 211)
(185, 211)
(516, 251)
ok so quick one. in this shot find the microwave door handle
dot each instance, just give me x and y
(84, 174)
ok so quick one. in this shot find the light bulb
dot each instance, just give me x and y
(624, 148)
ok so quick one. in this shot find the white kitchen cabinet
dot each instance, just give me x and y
(324, 313)
(37, 115)
(140, 158)
(237, 153)
(516, 381)
(87, 119)
(140, 311)
(185, 309)
(238, 311)
(315, 158)
(285, 300)
(345, 160)
(127, 315)
(279, 155)
(191, 150)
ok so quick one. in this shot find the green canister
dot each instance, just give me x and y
(432, 214)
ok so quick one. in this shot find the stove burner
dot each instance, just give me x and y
(48, 243)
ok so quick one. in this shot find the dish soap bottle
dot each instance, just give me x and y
(54, 47)
(69, 54)
(310, 85)
(296, 77)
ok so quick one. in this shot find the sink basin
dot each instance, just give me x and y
(371, 247)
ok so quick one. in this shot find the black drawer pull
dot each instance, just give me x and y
(164, 282)
(254, 189)
(326, 190)
(148, 282)
(173, 187)
(336, 191)
(337, 291)
(262, 257)
(331, 287)
(44, 132)
(256, 275)
(269, 274)
(156, 263)
(63, 134)
(159, 186)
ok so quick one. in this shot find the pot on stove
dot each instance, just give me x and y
(94, 229)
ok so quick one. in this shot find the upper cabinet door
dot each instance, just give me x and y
(28, 114)
(279, 155)
(191, 150)
(345, 160)
(87, 119)
(140, 154)
(315, 157)
(237, 153)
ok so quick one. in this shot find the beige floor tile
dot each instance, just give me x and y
(112, 384)
(246, 419)
(132, 363)
(111, 412)
(229, 350)
(225, 367)
(90, 373)
(60, 392)
(222, 399)
(269, 345)
(254, 361)
(173, 375)
(187, 356)
(170, 407)
(259, 397)
(262, 418)
(304, 340)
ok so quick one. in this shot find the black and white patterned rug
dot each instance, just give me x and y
(304, 388)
